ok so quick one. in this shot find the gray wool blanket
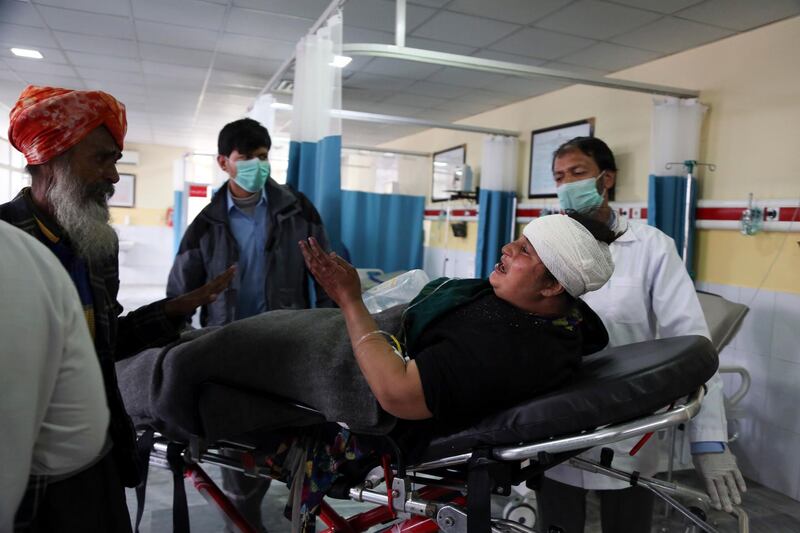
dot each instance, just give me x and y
(305, 356)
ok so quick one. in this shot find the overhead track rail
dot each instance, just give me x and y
(511, 69)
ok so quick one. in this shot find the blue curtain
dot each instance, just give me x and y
(495, 220)
(178, 220)
(315, 170)
(383, 230)
(666, 208)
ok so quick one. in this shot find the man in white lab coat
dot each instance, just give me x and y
(649, 296)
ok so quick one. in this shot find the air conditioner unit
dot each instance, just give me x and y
(129, 157)
(285, 86)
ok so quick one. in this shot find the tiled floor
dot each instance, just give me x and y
(769, 511)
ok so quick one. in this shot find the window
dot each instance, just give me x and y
(13, 176)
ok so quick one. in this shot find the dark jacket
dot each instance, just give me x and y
(209, 247)
(115, 337)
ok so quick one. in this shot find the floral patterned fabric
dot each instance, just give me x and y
(48, 121)
(316, 461)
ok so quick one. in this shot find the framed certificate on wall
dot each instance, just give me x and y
(124, 191)
(445, 164)
(543, 143)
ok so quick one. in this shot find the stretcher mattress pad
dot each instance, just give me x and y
(612, 386)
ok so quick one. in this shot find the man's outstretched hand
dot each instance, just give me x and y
(186, 304)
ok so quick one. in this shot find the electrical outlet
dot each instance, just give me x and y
(636, 213)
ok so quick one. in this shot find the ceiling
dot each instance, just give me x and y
(186, 67)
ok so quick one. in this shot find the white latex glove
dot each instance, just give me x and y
(724, 481)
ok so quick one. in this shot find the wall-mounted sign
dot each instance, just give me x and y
(543, 143)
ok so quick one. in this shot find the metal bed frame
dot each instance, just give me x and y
(436, 495)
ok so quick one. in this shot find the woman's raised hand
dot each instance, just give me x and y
(338, 277)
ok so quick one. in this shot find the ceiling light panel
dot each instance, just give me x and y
(27, 53)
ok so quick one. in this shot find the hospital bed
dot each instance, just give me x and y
(615, 396)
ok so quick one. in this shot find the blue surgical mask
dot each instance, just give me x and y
(581, 196)
(252, 174)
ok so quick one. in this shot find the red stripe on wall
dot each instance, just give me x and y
(730, 214)
(788, 214)
(529, 213)
(719, 213)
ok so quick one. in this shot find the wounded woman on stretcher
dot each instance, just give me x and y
(472, 346)
(477, 346)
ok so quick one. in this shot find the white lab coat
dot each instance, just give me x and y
(649, 296)
(53, 412)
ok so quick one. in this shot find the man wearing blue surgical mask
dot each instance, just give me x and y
(650, 295)
(255, 223)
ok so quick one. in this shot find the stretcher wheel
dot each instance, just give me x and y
(521, 513)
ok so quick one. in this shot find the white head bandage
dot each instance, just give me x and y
(576, 259)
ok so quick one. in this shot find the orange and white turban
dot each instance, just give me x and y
(48, 121)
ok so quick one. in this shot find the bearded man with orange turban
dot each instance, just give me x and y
(71, 141)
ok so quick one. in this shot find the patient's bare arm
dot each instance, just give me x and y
(395, 384)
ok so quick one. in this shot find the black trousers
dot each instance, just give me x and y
(246, 494)
(93, 500)
(562, 508)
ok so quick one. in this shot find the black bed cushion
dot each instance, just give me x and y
(612, 386)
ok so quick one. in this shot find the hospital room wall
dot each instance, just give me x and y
(750, 133)
(146, 240)
(750, 130)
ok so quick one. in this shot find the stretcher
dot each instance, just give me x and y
(619, 393)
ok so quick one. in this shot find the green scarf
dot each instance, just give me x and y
(434, 300)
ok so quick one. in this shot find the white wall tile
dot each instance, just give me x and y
(465, 265)
(786, 327)
(747, 448)
(433, 262)
(779, 462)
(149, 260)
(783, 395)
(755, 335)
(729, 292)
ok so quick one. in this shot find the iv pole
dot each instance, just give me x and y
(687, 217)
(687, 211)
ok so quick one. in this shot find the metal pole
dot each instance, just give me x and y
(687, 212)
(400, 23)
(391, 119)
(276, 78)
(385, 150)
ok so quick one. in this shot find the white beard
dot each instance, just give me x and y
(82, 211)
